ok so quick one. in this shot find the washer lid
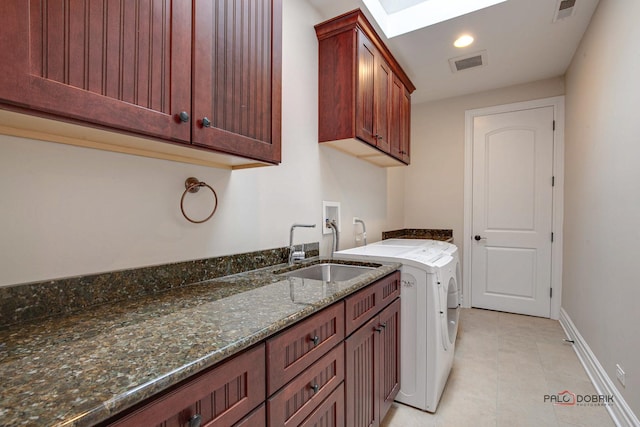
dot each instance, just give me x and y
(377, 250)
(430, 256)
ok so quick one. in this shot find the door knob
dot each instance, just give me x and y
(183, 116)
(478, 237)
(206, 122)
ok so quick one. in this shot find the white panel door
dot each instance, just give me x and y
(512, 211)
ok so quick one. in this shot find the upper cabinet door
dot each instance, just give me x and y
(366, 83)
(384, 80)
(123, 64)
(237, 77)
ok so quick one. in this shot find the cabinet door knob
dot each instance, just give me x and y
(195, 421)
(378, 329)
(206, 122)
(184, 116)
(315, 339)
(478, 238)
(315, 387)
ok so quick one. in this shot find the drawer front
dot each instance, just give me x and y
(330, 413)
(388, 288)
(365, 304)
(255, 419)
(220, 397)
(292, 351)
(300, 397)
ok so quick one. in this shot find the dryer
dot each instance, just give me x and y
(430, 304)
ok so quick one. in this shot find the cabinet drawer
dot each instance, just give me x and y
(255, 419)
(363, 305)
(220, 397)
(330, 412)
(298, 399)
(293, 350)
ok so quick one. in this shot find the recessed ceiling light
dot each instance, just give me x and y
(463, 41)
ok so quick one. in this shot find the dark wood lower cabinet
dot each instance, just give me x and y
(372, 368)
(309, 374)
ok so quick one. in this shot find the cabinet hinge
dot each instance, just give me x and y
(554, 125)
(552, 236)
(550, 292)
(553, 181)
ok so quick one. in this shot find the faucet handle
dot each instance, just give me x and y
(297, 255)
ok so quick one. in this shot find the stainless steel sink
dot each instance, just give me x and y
(329, 272)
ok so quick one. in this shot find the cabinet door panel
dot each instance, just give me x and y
(365, 104)
(293, 350)
(237, 77)
(390, 356)
(384, 79)
(362, 364)
(405, 130)
(120, 64)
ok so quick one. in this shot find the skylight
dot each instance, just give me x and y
(397, 17)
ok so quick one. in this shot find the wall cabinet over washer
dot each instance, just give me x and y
(364, 95)
(200, 74)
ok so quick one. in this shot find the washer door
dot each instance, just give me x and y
(450, 315)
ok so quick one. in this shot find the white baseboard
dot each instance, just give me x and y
(621, 413)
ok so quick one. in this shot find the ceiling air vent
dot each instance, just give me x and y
(565, 9)
(474, 60)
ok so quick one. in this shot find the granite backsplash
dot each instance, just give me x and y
(418, 233)
(26, 302)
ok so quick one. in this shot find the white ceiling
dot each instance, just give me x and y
(521, 42)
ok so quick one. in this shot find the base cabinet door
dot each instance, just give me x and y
(372, 368)
(390, 356)
(362, 379)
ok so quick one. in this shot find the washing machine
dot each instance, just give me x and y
(430, 304)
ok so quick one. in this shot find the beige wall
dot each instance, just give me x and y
(71, 211)
(601, 283)
(434, 183)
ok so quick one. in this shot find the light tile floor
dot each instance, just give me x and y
(504, 366)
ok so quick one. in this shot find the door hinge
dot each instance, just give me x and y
(553, 181)
(554, 125)
(550, 292)
(552, 236)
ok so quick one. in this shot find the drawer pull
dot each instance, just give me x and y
(315, 339)
(195, 421)
(315, 388)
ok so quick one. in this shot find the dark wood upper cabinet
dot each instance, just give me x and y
(237, 77)
(154, 68)
(360, 90)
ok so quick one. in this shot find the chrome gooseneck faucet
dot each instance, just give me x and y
(293, 254)
(335, 234)
(364, 229)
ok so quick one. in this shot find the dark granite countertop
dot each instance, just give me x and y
(83, 368)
